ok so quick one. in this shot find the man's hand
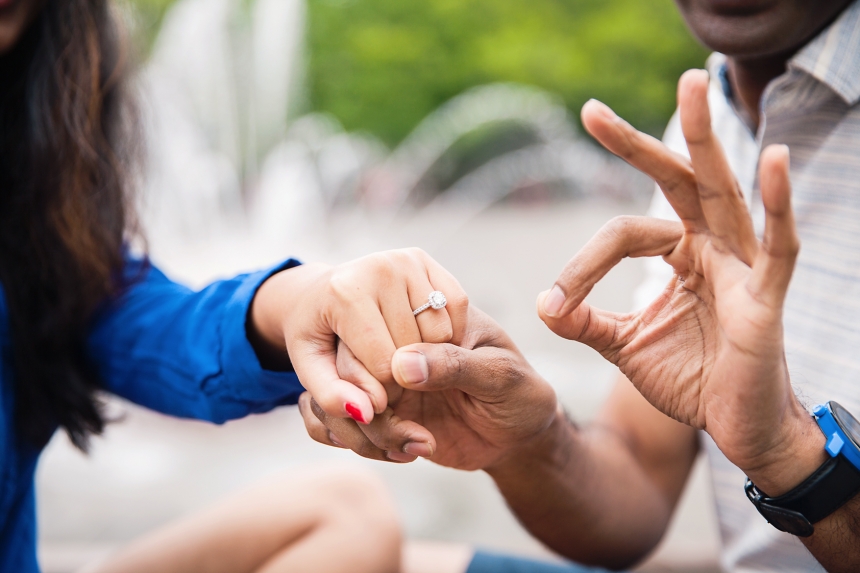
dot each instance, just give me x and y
(466, 406)
(301, 313)
(708, 351)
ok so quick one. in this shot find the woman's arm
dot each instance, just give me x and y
(190, 353)
(184, 352)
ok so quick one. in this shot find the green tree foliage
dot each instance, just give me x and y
(383, 65)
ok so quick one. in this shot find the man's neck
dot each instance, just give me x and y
(749, 78)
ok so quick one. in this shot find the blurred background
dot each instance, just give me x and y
(329, 129)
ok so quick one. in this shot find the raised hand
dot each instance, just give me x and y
(366, 303)
(465, 406)
(709, 350)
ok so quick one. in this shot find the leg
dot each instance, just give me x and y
(324, 521)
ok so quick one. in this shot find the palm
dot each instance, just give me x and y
(690, 353)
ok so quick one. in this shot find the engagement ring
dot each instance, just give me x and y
(435, 300)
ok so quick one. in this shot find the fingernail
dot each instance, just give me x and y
(355, 413)
(333, 439)
(413, 367)
(399, 457)
(419, 449)
(554, 301)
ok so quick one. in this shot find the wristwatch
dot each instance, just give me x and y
(828, 488)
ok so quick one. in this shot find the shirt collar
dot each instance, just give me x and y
(833, 57)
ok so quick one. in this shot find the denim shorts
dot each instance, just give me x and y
(484, 562)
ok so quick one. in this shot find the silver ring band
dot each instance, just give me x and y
(435, 300)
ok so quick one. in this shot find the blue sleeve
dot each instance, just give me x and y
(186, 353)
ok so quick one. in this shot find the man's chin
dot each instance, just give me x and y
(749, 36)
(758, 28)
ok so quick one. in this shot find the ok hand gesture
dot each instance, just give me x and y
(708, 351)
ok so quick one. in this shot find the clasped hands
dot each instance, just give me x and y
(707, 352)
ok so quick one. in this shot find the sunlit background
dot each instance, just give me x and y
(329, 129)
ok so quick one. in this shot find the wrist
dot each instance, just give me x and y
(270, 312)
(799, 453)
(551, 446)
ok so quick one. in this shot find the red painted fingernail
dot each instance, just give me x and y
(354, 413)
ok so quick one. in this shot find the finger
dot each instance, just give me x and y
(775, 261)
(316, 369)
(720, 195)
(672, 171)
(484, 373)
(315, 428)
(353, 437)
(364, 330)
(349, 368)
(602, 330)
(434, 324)
(399, 438)
(619, 238)
(345, 433)
(396, 306)
(457, 306)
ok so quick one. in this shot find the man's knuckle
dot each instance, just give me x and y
(629, 145)
(319, 436)
(367, 450)
(678, 181)
(509, 370)
(455, 363)
(618, 227)
(794, 247)
(386, 441)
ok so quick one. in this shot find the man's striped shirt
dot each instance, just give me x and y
(813, 109)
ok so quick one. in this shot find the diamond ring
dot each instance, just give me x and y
(435, 300)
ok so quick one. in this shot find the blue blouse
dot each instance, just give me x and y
(160, 345)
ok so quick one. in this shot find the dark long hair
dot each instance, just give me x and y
(66, 130)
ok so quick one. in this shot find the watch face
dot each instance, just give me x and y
(849, 423)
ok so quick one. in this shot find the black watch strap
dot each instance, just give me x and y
(826, 490)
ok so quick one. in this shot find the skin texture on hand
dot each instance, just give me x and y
(709, 351)
(465, 406)
(367, 304)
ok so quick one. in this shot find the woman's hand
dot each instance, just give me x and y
(467, 406)
(366, 303)
(709, 350)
